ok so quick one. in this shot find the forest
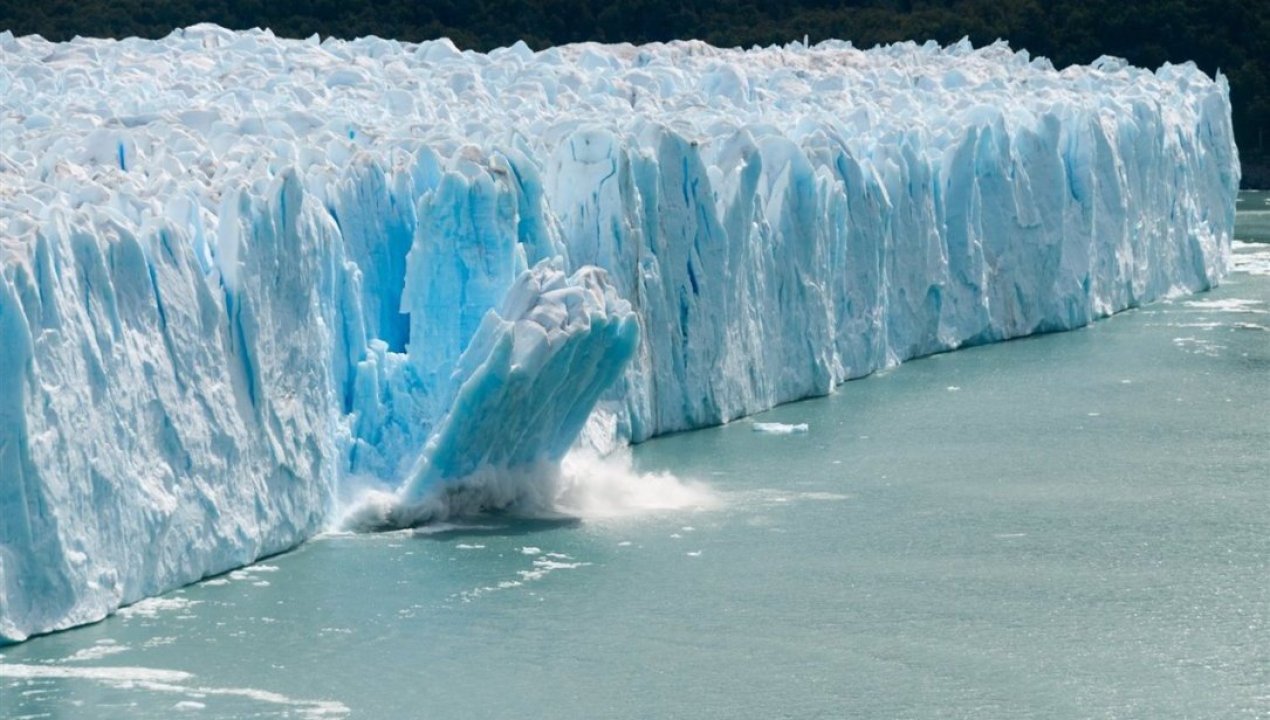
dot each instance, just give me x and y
(1232, 36)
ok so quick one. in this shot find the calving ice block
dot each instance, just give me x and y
(245, 280)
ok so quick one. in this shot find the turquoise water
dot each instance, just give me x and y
(1067, 526)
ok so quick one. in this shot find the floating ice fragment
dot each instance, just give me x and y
(775, 428)
(151, 607)
(114, 674)
(100, 649)
(1240, 305)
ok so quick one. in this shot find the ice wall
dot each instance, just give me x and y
(243, 279)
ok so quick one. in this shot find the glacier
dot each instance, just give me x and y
(251, 287)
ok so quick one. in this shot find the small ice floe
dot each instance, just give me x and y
(151, 607)
(775, 428)
(530, 550)
(1251, 258)
(1239, 305)
(954, 388)
(542, 567)
(129, 676)
(177, 682)
(97, 651)
(249, 573)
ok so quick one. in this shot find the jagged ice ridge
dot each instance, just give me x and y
(243, 279)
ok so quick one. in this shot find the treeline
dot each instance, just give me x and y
(1230, 35)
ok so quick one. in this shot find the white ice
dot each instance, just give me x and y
(245, 279)
(775, 428)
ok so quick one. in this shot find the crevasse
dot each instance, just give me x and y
(242, 277)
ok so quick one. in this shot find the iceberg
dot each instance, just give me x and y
(250, 286)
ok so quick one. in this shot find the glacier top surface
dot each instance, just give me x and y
(206, 110)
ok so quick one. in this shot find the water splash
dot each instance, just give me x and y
(594, 487)
(584, 485)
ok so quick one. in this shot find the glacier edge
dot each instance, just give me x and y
(237, 282)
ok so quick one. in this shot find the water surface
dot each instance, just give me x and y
(1066, 526)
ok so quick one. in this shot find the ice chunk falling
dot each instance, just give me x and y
(243, 277)
(527, 383)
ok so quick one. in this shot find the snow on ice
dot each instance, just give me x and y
(245, 281)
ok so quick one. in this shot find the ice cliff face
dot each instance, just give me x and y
(242, 278)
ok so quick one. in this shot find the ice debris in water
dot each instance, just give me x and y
(245, 280)
(775, 428)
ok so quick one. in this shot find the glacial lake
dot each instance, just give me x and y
(1067, 526)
